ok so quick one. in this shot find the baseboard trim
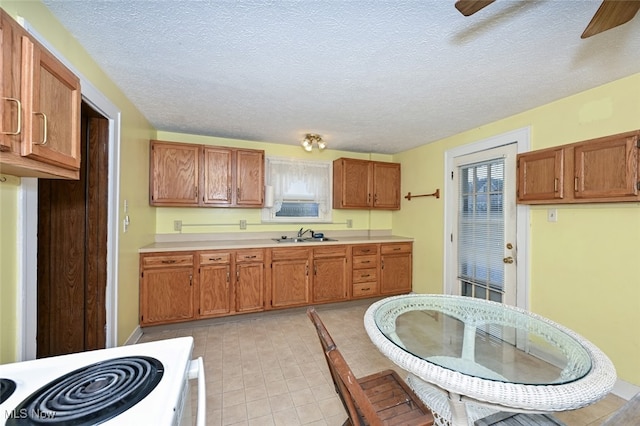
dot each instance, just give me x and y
(136, 334)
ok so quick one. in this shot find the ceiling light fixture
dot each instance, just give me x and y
(310, 139)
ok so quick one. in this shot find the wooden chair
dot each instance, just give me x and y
(378, 399)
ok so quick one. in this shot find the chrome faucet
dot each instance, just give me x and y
(301, 232)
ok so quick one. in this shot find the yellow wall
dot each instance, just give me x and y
(583, 268)
(134, 152)
(378, 220)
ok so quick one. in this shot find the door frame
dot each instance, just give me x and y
(28, 224)
(522, 139)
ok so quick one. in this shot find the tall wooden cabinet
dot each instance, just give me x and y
(191, 175)
(39, 108)
(599, 170)
(363, 184)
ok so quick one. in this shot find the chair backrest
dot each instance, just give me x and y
(328, 345)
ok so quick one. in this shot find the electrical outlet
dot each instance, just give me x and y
(177, 225)
(243, 224)
(349, 223)
(552, 215)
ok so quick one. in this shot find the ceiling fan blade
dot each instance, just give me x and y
(610, 14)
(469, 7)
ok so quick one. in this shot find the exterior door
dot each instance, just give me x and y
(484, 230)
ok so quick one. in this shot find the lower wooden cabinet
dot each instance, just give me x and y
(214, 284)
(183, 286)
(395, 268)
(290, 277)
(166, 288)
(249, 280)
(330, 274)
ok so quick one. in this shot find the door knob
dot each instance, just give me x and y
(508, 259)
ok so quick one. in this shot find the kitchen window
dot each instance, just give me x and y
(297, 190)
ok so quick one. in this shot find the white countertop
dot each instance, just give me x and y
(230, 244)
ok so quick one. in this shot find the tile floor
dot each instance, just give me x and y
(268, 369)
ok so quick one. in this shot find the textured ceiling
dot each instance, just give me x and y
(370, 76)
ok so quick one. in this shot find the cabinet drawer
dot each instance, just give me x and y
(289, 253)
(331, 251)
(363, 275)
(364, 249)
(362, 262)
(168, 260)
(214, 258)
(365, 289)
(256, 255)
(396, 248)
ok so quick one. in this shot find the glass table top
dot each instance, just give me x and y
(485, 340)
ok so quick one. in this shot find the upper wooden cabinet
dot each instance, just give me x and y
(599, 170)
(363, 184)
(201, 175)
(39, 108)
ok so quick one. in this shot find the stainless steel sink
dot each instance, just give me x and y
(303, 240)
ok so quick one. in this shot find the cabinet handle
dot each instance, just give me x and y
(366, 288)
(168, 262)
(397, 248)
(19, 105)
(238, 193)
(366, 261)
(375, 199)
(382, 264)
(365, 276)
(306, 270)
(228, 275)
(315, 269)
(250, 257)
(575, 184)
(365, 250)
(190, 279)
(229, 193)
(555, 185)
(44, 128)
(369, 198)
(215, 258)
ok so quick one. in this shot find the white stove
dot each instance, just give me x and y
(146, 383)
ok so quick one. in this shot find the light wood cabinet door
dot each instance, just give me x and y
(51, 103)
(395, 268)
(386, 185)
(39, 108)
(607, 168)
(330, 274)
(249, 286)
(290, 277)
(541, 175)
(174, 173)
(166, 288)
(214, 290)
(218, 176)
(351, 183)
(250, 178)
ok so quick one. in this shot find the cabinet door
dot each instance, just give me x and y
(352, 183)
(540, 175)
(290, 283)
(174, 174)
(330, 274)
(10, 105)
(608, 168)
(166, 295)
(250, 178)
(51, 103)
(215, 296)
(395, 268)
(218, 176)
(386, 185)
(249, 287)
